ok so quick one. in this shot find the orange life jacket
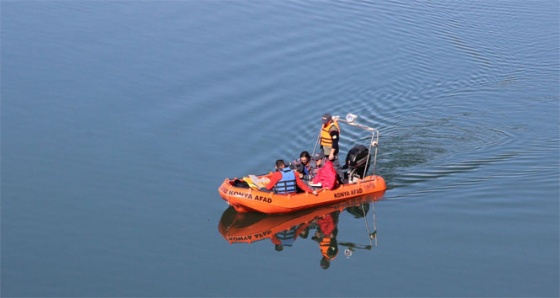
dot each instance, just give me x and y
(326, 139)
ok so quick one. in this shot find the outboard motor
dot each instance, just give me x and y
(356, 161)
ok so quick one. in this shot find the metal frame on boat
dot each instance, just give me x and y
(374, 140)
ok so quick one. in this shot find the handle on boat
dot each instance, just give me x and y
(316, 143)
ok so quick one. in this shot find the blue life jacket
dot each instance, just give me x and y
(288, 182)
(287, 237)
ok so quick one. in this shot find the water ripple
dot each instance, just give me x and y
(429, 113)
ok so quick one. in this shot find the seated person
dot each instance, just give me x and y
(304, 166)
(284, 181)
(326, 174)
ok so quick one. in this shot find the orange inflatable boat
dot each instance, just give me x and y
(244, 199)
(244, 195)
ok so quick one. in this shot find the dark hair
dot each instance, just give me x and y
(280, 163)
(305, 154)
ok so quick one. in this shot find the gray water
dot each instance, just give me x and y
(120, 119)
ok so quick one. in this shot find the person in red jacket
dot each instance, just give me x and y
(326, 174)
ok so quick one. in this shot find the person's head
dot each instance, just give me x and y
(326, 118)
(304, 157)
(318, 158)
(280, 164)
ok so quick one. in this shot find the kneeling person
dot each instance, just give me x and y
(285, 180)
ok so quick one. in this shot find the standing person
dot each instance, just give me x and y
(326, 174)
(326, 236)
(330, 134)
(284, 180)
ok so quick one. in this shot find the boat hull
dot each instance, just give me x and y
(253, 200)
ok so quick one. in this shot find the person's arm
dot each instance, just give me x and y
(318, 177)
(329, 177)
(273, 180)
(335, 135)
(304, 186)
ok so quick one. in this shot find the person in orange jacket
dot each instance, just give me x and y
(330, 134)
(326, 236)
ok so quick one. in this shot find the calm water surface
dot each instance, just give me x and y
(120, 119)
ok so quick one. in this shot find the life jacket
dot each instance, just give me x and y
(288, 182)
(328, 245)
(326, 139)
(288, 237)
(329, 248)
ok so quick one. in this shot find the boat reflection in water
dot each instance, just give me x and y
(320, 225)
